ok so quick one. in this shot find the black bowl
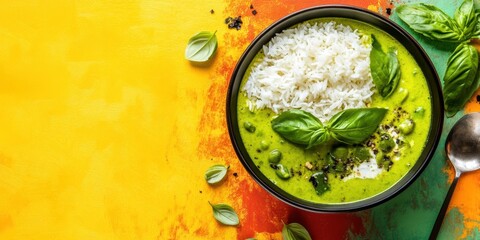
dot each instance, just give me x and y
(365, 16)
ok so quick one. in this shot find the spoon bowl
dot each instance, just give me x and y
(463, 150)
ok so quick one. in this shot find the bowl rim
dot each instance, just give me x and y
(359, 14)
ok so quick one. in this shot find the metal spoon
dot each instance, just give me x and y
(463, 149)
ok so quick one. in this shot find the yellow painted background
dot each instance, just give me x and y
(99, 114)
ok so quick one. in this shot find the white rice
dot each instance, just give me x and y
(322, 68)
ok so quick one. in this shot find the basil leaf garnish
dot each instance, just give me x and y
(354, 126)
(431, 22)
(466, 18)
(460, 77)
(384, 68)
(300, 127)
(319, 181)
(201, 47)
(225, 214)
(216, 173)
(295, 231)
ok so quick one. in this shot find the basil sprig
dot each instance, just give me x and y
(295, 231)
(300, 127)
(460, 77)
(351, 126)
(431, 22)
(216, 173)
(225, 214)
(466, 18)
(354, 126)
(201, 47)
(384, 68)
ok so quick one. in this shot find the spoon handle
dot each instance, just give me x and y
(443, 210)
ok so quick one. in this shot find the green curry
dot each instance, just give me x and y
(408, 117)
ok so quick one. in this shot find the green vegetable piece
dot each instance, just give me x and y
(274, 156)
(466, 18)
(407, 126)
(385, 69)
(249, 127)
(201, 47)
(340, 153)
(295, 231)
(354, 126)
(403, 94)
(431, 22)
(460, 79)
(216, 173)
(320, 182)
(419, 112)
(340, 167)
(380, 158)
(264, 145)
(386, 165)
(386, 145)
(300, 127)
(282, 172)
(361, 154)
(225, 214)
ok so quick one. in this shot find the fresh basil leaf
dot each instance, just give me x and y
(384, 68)
(460, 77)
(354, 126)
(201, 47)
(466, 18)
(476, 34)
(216, 173)
(319, 181)
(300, 127)
(295, 231)
(431, 22)
(225, 214)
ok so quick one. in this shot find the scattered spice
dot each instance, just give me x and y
(234, 22)
(251, 6)
(389, 11)
(254, 12)
(478, 98)
(211, 11)
(235, 174)
(200, 191)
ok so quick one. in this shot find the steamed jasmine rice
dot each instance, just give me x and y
(322, 68)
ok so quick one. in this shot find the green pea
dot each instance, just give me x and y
(249, 127)
(275, 156)
(264, 145)
(282, 172)
(340, 153)
(361, 154)
(386, 145)
(406, 127)
(386, 165)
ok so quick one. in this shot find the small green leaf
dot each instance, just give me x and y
(385, 69)
(225, 214)
(282, 171)
(431, 22)
(460, 78)
(319, 181)
(354, 126)
(216, 173)
(201, 47)
(300, 127)
(295, 231)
